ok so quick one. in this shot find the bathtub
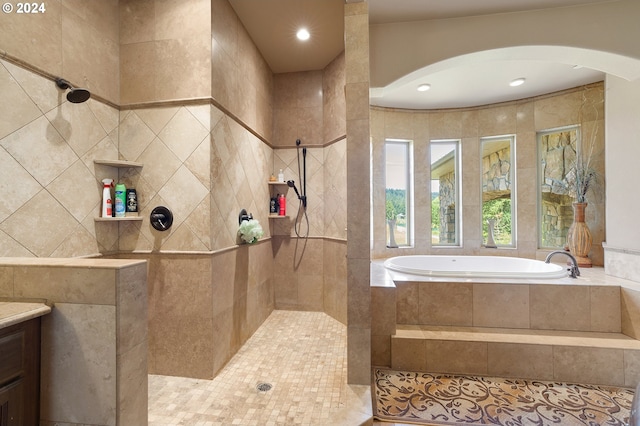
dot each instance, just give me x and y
(475, 267)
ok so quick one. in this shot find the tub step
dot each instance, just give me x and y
(567, 356)
(519, 335)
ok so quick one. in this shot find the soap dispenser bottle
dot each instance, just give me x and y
(107, 206)
(121, 200)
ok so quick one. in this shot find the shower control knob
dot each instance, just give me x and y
(161, 218)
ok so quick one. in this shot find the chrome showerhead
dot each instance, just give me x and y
(76, 95)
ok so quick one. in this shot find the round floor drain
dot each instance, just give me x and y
(263, 387)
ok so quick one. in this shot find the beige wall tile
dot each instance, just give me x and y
(557, 111)
(28, 144)
(310, 292)
(298, 108)
(133, 385)
(560, 307)
(133, 306)
(60, 285)
(358, 294)
(356, 110)
(226, 344)
(497, 120)
(445, 304)
(589, 365)
(183, 67)
(137, 72)
(630, 312)
(165, 51)
(44, 30)
(457, 357)
(356, 24)
(175, 19)
(383, 307)
(381, 350)
(605, 309)
(334, 110)
(358, 355)
(70, 370)
(631, 368)
(42, 235)
(445, 125)
(15, 178)
(180, 316)
(90, 53)
(407, 303)
(21, 110)
(335, 280)
(137, 23)
(501, 305)
(408, 354)
(6, 281)
(76, 176)
(520, 361)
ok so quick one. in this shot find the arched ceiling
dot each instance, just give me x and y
(474, 79)
(483, 77)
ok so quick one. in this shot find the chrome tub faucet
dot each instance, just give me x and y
(574, 271)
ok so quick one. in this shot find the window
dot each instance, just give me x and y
(498, 190)
(556, 154)
(398, 192)
(445, 193)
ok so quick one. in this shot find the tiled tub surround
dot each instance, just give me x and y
(94, 341)
(581, 330)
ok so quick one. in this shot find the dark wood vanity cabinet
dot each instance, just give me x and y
(20, 374)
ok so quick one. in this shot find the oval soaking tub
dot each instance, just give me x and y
(475, 267)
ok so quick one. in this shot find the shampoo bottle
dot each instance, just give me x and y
(106, 198)
(283, 205)
(121, 200)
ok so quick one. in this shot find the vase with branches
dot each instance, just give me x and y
(581, 178)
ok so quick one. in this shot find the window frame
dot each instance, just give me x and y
(514, 186)
(457, 158)
(541, 176)
(409, 183)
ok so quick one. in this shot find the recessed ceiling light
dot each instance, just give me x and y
(424, 87)
(516, 82)
(303, 34)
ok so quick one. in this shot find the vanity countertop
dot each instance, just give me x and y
(15, 312)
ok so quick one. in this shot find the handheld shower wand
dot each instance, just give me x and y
(292, 184)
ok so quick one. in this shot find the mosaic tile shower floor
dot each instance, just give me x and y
(434, 399)
(301, 354)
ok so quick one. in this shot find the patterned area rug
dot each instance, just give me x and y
(437, 399)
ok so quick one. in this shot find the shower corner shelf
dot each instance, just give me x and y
(277, 216)
(118, 163)
(278, 183)
(118, 219)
